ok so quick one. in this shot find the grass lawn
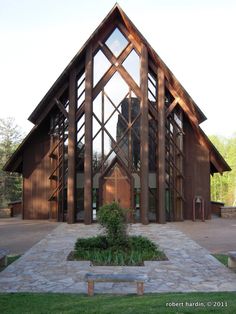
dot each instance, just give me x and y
(222, 258)
(219, 302)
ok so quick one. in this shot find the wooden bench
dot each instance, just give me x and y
(3, 257)
(232, 259)
(139, 279)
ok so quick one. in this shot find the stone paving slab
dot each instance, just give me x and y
(44, 268)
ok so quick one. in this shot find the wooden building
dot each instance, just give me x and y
(116, 125)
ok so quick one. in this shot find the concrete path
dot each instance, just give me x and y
(218, 235)
(19, 235)
(44, 268)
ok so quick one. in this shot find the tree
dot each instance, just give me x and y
(10, 183)
(223, 187)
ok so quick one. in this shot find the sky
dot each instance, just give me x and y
(195, 38)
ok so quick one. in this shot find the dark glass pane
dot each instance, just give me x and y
(152, 204)
(135, 144)
(135, 106)
(80, 204)
(152, 144)
(116, 42)
(80, 158)
(97, 151)
(168, 98)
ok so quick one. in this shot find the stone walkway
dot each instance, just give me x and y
(44, 268)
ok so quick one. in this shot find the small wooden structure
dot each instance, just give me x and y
(16, 208)
(3, 257)
(232, 259)
(139, 279)
(116, 125)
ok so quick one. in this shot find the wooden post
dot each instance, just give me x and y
(90, 288)
(161, 145)
(88, 138)
(144, 182)
(140, 288)
(71, 148)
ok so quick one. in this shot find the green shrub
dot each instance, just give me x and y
(113, 218)
(99, 242)
(101, 252)
(115, 247)
(140, 242)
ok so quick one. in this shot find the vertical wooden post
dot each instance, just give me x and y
(144, 182)
(71, 148)
(161, 145)
(88, 138)
(140, 288)
(90, 288)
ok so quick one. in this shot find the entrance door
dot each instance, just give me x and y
(116, 187)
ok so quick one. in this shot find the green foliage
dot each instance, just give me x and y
(115, 247)
(140, 242)
(223, 187)
(222, 258)
(35, 303)
(91, 243)
(101, 252)
(113, 218)
(10, 183)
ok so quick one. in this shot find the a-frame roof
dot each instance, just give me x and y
(118, 13)
(190, 108)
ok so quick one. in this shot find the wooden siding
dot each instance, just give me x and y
(35, 175)
(196, 172)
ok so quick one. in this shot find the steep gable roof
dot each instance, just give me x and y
(190, 108)
(118, 13)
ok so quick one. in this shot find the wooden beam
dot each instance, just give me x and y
(50, 105)
(71, 184)
(61, 108)
(88, 137)
(172, 106)
(117, 63)
(191, 114)
(144, 136)
(161, 145)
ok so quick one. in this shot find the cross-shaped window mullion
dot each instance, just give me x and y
(116, 144)
(116, 108)
(117, 63)
(133, 130)
(115, 150)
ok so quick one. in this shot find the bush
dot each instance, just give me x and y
(131, 254)
(99, 242)
(140, 242)
(115, 247)
(113, 218)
